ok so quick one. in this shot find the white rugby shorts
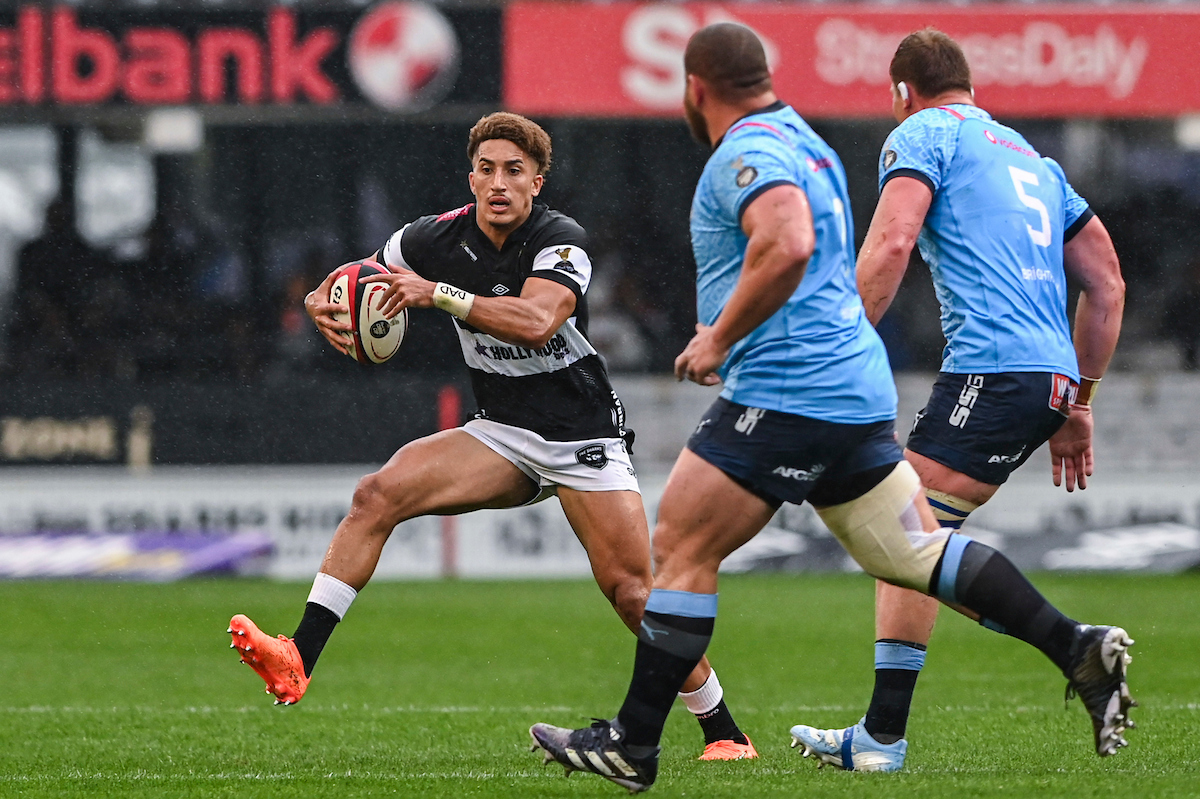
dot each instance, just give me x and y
(599, 464)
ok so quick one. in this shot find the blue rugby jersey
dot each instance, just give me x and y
(993, 239)
(817, 356)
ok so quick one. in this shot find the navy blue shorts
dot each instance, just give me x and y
(784, 457)
(985, 426)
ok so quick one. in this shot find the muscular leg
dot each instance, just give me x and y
(449, 472)
(703, 517)
(904, 618)
(445, 473)
(611, 525)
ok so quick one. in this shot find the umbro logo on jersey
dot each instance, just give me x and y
(499, 289)
(889, 158)
(467, 249)
(592, 456)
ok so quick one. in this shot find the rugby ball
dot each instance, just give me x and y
(375, 337)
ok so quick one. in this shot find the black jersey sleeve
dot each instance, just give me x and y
(408, 247)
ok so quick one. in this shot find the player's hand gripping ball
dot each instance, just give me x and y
(375, 337)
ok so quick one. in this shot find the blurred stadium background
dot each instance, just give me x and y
(174, 177)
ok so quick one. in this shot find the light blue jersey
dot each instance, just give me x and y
(817, 356)
(993, 239)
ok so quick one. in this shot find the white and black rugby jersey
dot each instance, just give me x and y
(561, 391)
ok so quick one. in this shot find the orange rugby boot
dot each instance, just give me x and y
(276, 660)
(729, 750)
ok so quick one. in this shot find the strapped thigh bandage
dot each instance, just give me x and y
(949, 510)
(882, 531)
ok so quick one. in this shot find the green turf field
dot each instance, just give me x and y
(427, 689)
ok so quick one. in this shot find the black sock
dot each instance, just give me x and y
(987, 582)
(676, 629)
(897, 666)
(315, 628)
(718, 725)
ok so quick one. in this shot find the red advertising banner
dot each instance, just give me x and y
(396, 55)
(626, 59)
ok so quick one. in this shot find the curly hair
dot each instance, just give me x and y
(525, 133)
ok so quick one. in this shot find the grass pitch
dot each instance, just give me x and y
(428, 689)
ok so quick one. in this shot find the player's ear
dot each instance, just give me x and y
(695, 89)
(471, 180)
(538, 180)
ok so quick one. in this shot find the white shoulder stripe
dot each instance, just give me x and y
(567, 259)
(392, 256)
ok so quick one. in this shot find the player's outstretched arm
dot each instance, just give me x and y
(1089, 259)
(321, 311)
(779, 226)
(883, 259)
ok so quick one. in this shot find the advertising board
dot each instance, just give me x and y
(626, 59)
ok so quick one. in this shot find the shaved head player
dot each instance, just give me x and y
(512, 275)
(807, 413)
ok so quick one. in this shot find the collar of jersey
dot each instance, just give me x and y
(778, 105)
(964, 109)
(517, 236)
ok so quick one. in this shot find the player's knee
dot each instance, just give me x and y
(882, 531)
(629, 600)
(376, 501)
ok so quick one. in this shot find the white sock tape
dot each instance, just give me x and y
(332, 593)
(706, 697)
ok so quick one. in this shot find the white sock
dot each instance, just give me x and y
(332, 593)
(705, 698)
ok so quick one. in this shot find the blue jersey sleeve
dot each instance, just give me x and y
(921, 147)
(1076, 211)
(752, 164)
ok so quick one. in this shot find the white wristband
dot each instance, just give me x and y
(452, 300)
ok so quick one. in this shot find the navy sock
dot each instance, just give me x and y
(983, 580)
(897, 665)
(310, 637)
(676, 629)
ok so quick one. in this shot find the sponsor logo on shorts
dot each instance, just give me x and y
(748, 419)
(966, 401)
(592, 456)
(802, 475)
(1063, 391)
(1008, 458)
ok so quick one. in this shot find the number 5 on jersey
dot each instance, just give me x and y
(1041, 237)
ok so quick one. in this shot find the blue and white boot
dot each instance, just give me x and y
(852, 749)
